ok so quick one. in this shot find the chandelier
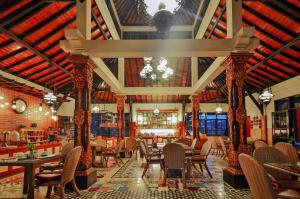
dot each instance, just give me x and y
(161, 71)
(50, 98)
(219, 110)
(266, 96)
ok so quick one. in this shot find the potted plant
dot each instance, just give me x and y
(30, 147)
(169, 140)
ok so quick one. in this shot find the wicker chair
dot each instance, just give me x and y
(273, 155)
(260, 143)
(259, 182)
(51, 166)
(61, 178)
(114, 152)
(201, 159)
(151, 157)
(288, 150)
(174, 156)
(130, 146)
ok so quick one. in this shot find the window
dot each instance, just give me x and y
(213, 124)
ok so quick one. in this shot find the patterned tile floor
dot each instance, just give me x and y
(126, 182)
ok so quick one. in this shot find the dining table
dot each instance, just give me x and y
(29, 170)
(289, 168)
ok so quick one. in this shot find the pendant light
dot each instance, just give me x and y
(266, 96)
(41, 107)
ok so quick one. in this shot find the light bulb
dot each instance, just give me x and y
(165, 76)
(2, 105)
(163, 61)
(1, 97)
(6, 103)
(41, 107)
(153, 76)
(219, 109)
(14, 105)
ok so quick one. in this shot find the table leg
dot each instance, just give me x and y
(30, 181)
(25, 180)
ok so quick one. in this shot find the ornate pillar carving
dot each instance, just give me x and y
(195, 116)
(235, 66)
(121, 120)
(83, 78)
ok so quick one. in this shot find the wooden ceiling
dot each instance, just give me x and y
(30, 32)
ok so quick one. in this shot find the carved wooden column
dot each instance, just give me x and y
(235, 66)
(83, 78)
(121, 119)
(195, 116)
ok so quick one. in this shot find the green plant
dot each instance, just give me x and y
(137, 138)
(30, 147)
(169, 140)
(291, 140)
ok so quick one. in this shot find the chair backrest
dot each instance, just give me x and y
(120, 146)
(288, 150)
(260, 143)
(221, 140)
(257, 178)
(174, 156)
(70, 164)
(194, 143)
(206, 148)
(269, 155)
(67, 148)
(131, 144)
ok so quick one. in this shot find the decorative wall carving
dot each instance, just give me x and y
(83, 78)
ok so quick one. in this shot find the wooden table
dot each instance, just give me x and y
(160, 146)
(29, 172)
(288, 168)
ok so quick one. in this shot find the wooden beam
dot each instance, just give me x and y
(121, 71)
(99, 25)
(217, 21)
(212, 7)
(27, 9)
(291, 43)
(157, 90)
(210, 74)
(153, 29)
(234, 17)
(33, 50)
(23, 81)
(194, 70)
(83, 18)
(103, 71)
(107, 18)
(155, 47)
(259, 106)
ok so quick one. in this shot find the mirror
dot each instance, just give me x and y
(19, 105)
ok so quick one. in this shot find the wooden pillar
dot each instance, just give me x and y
(195, 116)
(235, 66)
(121, 120)
(83, 78)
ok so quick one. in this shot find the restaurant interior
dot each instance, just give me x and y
(150, 99)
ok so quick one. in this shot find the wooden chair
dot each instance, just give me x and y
(288, 150)
(224, 150)
(260, 143)
(100, 149)
(174, 158)
(60, 179)
(51, 166)
(114, 152)
(201, 159)
(151, 157)
(130, 146)
(259, 182)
